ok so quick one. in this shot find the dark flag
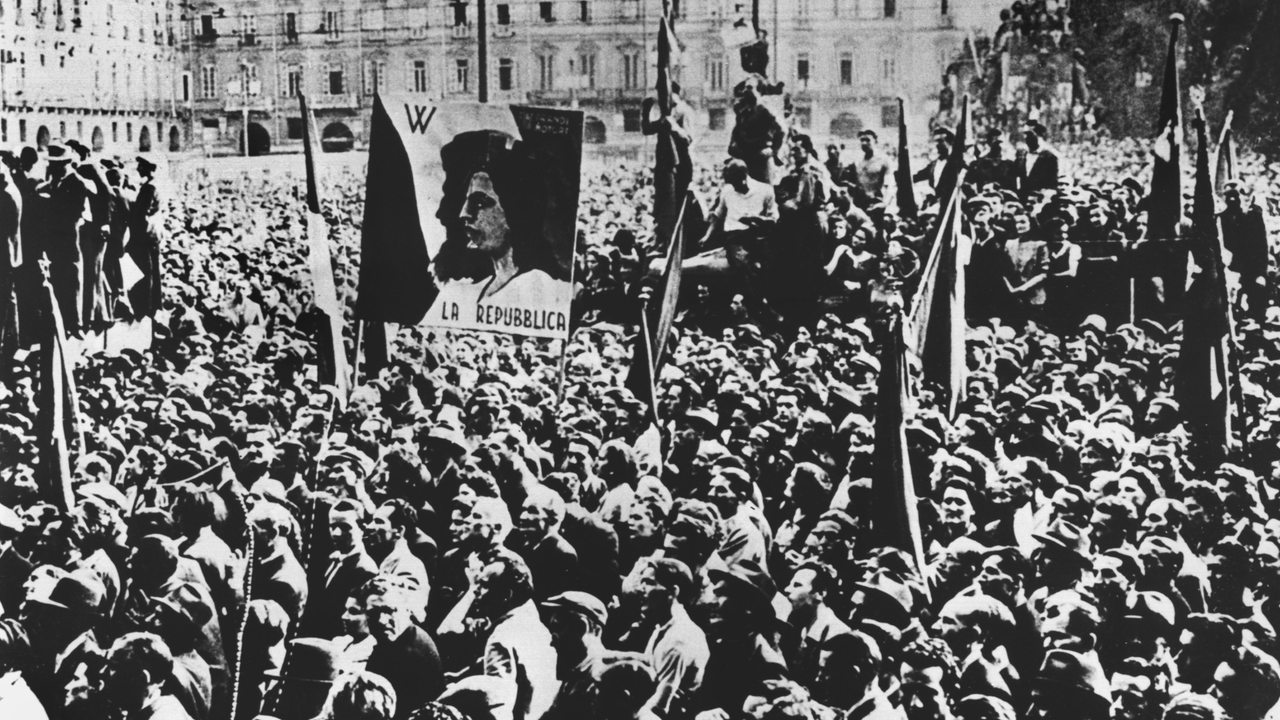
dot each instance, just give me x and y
(937, 320)
(666, 194)
(895, 521)
(655, 327)
(57, 407)
(1164, 206)
(1205, 376)
(1227, 164)
(907, 207)
(950, 179)
(396, 284)
(331, 352)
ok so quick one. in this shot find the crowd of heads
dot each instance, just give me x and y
(473, 535)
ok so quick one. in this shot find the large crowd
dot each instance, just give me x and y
(471, 535)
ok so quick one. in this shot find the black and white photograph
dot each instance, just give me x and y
(639, 360)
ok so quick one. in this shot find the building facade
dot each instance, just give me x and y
(243, 63)
(97, 71)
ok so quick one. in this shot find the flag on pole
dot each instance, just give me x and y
(57, 425)
(1205, 376)
(937, 321)
(655, 327)
(396, 283)
(950, 179)
(1164, 211)
(666, 198)
(331, 351)
(895, 519)
(907, 207)
(1226, 163)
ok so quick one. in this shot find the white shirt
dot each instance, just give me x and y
(757, 200)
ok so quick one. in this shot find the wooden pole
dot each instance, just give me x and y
(482, 48)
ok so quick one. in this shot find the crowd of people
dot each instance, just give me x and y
(473, 535)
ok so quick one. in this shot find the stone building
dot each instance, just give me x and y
(243, 62)
(97, 71)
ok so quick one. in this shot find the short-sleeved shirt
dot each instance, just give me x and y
(757, 200)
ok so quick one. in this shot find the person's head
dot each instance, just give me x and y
(355, 620)
(483, 218)
(1069, 622)
(691, 536)
(729, 488)
(1032, 133)
(662, 582)
(928, 675)
(1247, 686)
(957, 507)
(154, 561)
(541, 514)
(624, 688)
(1070, 685)
(969, 620)
(810, 586)
(1112, 522)
(1164, 517)
(735, 173)
(942, 140)
(345, 520)
(137, 667)
(270, 523)
(390, 523)
(867, 141)
(575, 619)
(362, 696)
(503, 584)
(389, 613)
(1108, 579)
(847, 666)
(488, 522)
(1002, 575)
(1231, 194)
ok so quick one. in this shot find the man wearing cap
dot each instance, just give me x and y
(865, 177)
(60, 202)
(576, 620)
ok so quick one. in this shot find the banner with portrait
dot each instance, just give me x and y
(471, 216)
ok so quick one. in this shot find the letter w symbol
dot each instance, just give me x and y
(418, 123)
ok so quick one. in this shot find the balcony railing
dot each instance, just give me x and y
(343, 101)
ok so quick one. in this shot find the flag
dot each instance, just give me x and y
(937, 321)
(950, 179)
(1205, 377)
(907, 207)
(666, 156)
(331, 352)
(1164, 210)
(895, 520)
(396, 284)
(57, 425)
(655, 327)
(1227, 163)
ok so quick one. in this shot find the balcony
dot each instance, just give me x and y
(248, 39)
(549, 97)
(254, 103)
(504, 31)
(208, 38)
(462, 31)
(345, 101)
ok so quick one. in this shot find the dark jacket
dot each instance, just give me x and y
(411, 664)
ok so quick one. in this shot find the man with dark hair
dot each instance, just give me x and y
(1041, 171)
(576, 621)
(677, 649)
(850, 681)
(349, 566)
(136, 670)
(810, 587)
(386, 537)
(865, 177)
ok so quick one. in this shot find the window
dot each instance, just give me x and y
(206, 27)
(715, 118)
(802, 70)
(332, 24)
(418, 75)
(546, 72)
(293, 81)
(186, 87)
(716, 71)
(889, 114)
(249, 84)
(115, 132)
(888, 69)
(248, 29)
(128, 132)
(584, 11)
(631, 120)
(546, 11)
(587, 69)
(22, 131)
(504, 14)
(459, 14)
(291, 27)
(375, 77)
(293, 127)
(209, 82)
(460, 80)
(846, 69)
(890, 8)
(335, 85)
(506, 74)
(631, 70)
(62, 129)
